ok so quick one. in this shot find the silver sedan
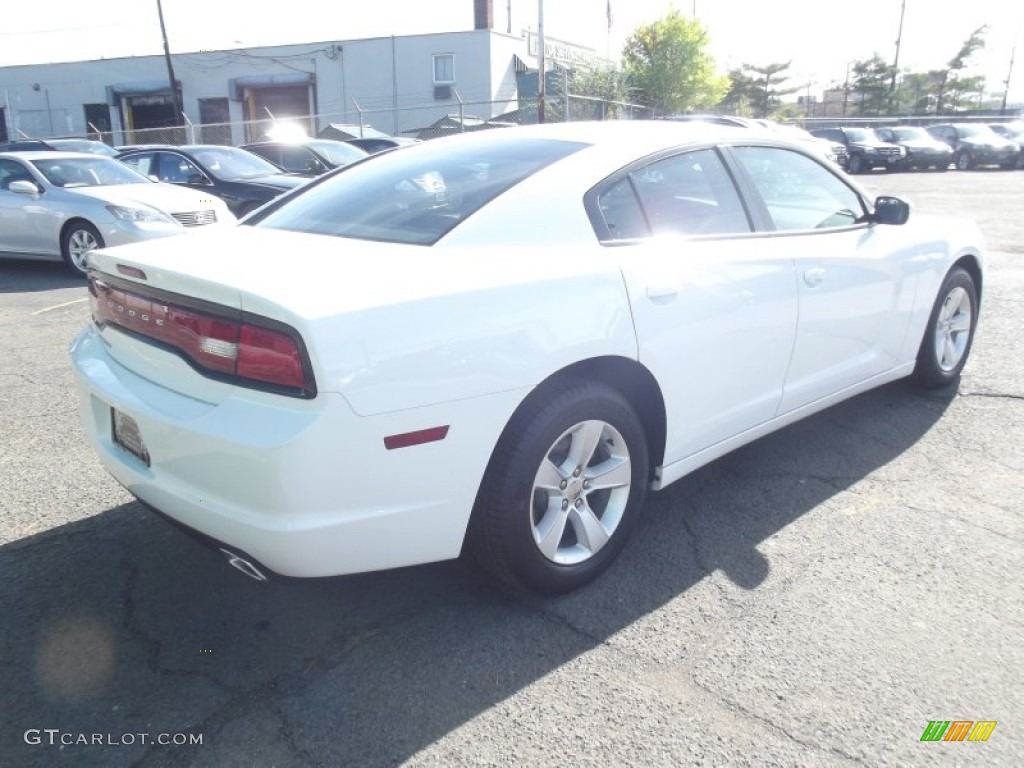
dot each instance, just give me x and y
(61, 205)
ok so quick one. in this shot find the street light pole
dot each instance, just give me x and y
(896, 60)
(540, 61)
(178, 109)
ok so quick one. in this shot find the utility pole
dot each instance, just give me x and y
(896, 60)
(1009, 74)
(540, 61)
(178, 109)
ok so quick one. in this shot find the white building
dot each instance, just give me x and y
(395, 84)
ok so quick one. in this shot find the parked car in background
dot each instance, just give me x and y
(381, 144)
(867, 151)
(507, 367)
(975, 144)
(833, 151)
(923, 149)
(241, 179)
(59, 145)
(1014, 132)
(60, 205)
(310, 157)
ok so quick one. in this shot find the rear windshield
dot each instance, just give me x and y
(418, 195)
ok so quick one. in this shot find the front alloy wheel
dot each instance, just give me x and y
(964, 161)
(947, 341)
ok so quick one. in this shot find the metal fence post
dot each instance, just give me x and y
(462, 112)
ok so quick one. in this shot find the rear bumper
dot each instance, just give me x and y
(306, 487)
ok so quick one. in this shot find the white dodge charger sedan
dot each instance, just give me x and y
(502, 340)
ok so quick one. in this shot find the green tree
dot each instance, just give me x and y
(871, 79)
(669, 67)
(741, 96)
(956, 65)
(769, 80)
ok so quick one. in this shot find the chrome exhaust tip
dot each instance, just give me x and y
(239, 562)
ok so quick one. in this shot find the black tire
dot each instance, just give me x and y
(1008, 166)
(964, 161)
(856, 164)
(77, 236)
(934, 369)
(512, 511)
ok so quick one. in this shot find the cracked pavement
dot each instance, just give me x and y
(812, 599)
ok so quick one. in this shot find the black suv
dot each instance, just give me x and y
(867, 151)
(976, 145)
(923, 149)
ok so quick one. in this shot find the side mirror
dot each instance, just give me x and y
(197, 179)
(891, 210)
(24, 187)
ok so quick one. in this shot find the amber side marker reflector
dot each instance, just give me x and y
(419, 437)
(131, 271)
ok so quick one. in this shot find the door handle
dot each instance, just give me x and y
(814, 276)
(662, 291)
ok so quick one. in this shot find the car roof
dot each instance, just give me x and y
(52, 155)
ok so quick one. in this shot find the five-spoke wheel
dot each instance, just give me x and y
(563, 488)
(947, 340)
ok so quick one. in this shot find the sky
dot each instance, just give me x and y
(819, 38)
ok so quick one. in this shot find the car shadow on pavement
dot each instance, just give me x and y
(24, 276)
(118, 625)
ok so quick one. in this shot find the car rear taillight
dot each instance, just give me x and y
(216, 340)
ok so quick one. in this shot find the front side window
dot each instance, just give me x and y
(11, 171)
(799, 193)
(444, 67)
(176, 169)
(686, 194)
(416, 197)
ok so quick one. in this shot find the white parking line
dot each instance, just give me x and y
(58, 306)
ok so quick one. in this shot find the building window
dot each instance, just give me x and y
(444, 67)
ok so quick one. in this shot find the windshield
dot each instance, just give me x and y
(976, 131)
(87, 172)
(337, 152)
(911, 133)
(82, 145)
(861, 134)
(418, 195)
(232, 164)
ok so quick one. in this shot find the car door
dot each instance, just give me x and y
(854, 279)
(715, 319)
(26, 225)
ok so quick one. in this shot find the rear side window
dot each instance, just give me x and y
(416, 196)
(686, 194)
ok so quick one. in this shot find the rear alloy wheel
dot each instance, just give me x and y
(964, 161)
(79, 238)
(950, 332)
(563, 490)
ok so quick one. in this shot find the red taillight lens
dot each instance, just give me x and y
(266, 355)
(220, 344)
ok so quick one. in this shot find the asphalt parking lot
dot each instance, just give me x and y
(815, 598)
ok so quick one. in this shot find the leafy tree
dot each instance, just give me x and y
(669, 67)
(768, 91)
(957, 64)
(592, 93)
(741, 96)
(871, 81)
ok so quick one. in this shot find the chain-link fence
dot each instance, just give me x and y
(419, 122)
